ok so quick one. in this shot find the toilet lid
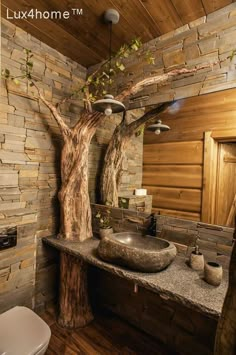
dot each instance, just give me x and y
(22, 332)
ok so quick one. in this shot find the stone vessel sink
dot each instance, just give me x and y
(136, 252)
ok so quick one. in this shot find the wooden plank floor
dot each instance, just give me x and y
(106, 335)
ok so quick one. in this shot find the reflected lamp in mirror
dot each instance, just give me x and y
(158, 127)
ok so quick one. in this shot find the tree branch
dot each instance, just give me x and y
(159, 79)
(65, 130)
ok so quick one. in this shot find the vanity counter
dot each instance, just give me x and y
(178, 282)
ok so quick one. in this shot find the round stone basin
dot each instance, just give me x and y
(137, 252)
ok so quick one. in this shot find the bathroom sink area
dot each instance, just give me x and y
(137, 252)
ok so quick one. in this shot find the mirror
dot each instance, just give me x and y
(175, 166)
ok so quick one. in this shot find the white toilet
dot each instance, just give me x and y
(23, 332)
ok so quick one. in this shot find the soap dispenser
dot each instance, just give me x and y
(196, 260)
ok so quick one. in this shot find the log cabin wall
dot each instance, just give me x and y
(173, 160)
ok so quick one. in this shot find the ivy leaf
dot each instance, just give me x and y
(16, 81)
(122, 67)
(27, 51)
(6, 73)
(231, 57)
(30, 64)
(90, 79)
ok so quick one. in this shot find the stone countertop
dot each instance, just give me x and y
(178, 282)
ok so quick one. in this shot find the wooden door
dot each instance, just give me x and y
(226, 183)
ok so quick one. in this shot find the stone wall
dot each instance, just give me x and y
(215, 242)
(208, 39)
(29, 165)
(30, 144)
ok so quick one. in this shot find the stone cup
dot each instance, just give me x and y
(196, 261)
(213, 273)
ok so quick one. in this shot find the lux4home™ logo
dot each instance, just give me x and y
(37, 14)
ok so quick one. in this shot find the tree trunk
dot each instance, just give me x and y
(112, 167)
(225, 343)
(115, 154)
(75, 310)
(75, 211)
(74, 196)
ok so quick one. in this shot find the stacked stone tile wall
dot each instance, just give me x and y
(215, 242)
(208, 39)
(30, 145)
(29, 164)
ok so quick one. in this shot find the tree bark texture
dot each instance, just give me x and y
(112, 167)
(75, 310)
(115, 155)
(75, 211)
(225, 342)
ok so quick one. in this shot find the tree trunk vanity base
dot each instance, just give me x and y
(75, 309)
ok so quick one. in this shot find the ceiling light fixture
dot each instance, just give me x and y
(158, 127)
(108, 104)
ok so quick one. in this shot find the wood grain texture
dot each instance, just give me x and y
(75, 310)
(89, 37)
(173, 175)
(106, 335)
(226, 184)
(211, 6)
(180, 214)
(177, 198)
(188, 10)
(191, 117)
(174, 165)
(174, 152)
(209, 179)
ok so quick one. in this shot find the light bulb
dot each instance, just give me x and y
(108, 110)
(157, 131)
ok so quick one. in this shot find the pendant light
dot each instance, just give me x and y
(158, 127)
(108, 104)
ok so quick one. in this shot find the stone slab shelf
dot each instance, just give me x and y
(177, 283)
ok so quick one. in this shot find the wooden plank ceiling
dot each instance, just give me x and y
(85, 38)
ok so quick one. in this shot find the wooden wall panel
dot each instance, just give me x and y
(193, 216)
(211, 6)
(173, 160)
(175, 153)
(177, 198)
(173, 175)
(190, 118)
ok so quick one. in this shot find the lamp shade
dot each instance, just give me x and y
(108, 105)
(158, 127)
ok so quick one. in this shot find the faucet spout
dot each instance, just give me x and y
(151, 230)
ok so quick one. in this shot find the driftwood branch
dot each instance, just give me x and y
(162, 78)
(65, 130)
(115, 154)
(132, 127)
